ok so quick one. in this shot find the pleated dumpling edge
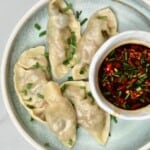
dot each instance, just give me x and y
(89, 115)
(63, 34)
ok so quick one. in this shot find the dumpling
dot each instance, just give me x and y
(62, 37)
(60, 114)
(35, 58)
(30, 75)
(100, 27)
(89, 115)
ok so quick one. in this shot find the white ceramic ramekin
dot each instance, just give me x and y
(137, 37)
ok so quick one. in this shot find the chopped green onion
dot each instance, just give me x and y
(112, 54)
(126, 56)
(102, 17)
(70, 142)
(78, 13)
(36, 66)
(130, 76)
(30, 106)
(66, 62)
(143, 59)
(31, 119)
(73, 105)
(148, 64)
(72, 48)
(48, 68)
(127, 106)
(143, 76)
(84, 70)
(29, 85)
(119, 93)
(30, 99)
(77, 126)
(111, 59)
(122, 77)
(42, 33)
(84, 79)
(139, 82)
(90, 94)
(106, 93)
(127, 96)
(44, 68)
(83, 21)
(72, 40)
(142, 100)
(40, 95)
(82, 87)
(113, 118)
(70, 79)
(109, 134)
(81, 71)
(37, 26)
(130, 85)
(116, 75)
(25, 92)
(138, 89)
(104, 78)
(46, 145)
(68, 7)
(124, 105)
(46, 54)
(126, 66)
(112, 78)
(64, 87)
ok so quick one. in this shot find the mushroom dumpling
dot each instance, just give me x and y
(60, 114)
(89, 115)
(30, 76)
(101, 26)
(63, 34)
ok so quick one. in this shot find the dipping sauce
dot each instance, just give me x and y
(124, 76)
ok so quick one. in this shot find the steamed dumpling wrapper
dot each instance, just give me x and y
(101, 26)
(35, 58)
(30, 76)
(63, 34)
(89, 115)
(60, 114)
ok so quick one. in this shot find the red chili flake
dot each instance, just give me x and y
(147, 99)
(137, 62)
(116, 65)
(136, 55)
(135, 94)
(109, 69)
(148, 56)
(135, 106)
(147, 82)
(116, 80)
(120, 101)
(131, 81)
(130, 62)
(124, 81)
(122, 88)
(135, 47)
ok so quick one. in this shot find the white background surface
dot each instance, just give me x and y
(10, 13)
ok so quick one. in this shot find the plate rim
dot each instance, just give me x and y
(4, 87)
(5, 94)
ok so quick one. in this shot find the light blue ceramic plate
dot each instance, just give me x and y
(125, 135)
